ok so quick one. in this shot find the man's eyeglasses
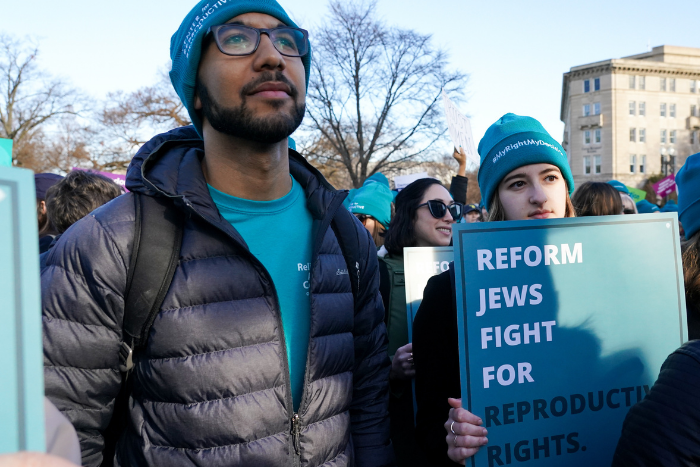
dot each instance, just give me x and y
(438, 209)
(236, 39)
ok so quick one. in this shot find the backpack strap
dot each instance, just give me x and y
(156, 251)
(346, 232)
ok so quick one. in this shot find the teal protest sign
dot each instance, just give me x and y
(21, 365)
(563, 326)
(420, 264)
(5, 152)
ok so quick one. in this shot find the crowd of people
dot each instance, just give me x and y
(233, 308)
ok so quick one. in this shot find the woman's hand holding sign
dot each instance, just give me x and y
(464, 434)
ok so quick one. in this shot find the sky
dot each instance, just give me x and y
(515, 51)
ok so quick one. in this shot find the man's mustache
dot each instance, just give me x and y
(266, 77)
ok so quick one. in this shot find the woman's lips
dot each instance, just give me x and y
(444, 230)
(540, 215)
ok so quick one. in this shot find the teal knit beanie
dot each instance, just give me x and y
(186, 43)
(645, 207)
(619, 186)
(670, 206)
(512, 142)
(373, 199)
(688, 182)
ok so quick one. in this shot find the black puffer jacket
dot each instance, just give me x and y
(664, 428)
(212, 387)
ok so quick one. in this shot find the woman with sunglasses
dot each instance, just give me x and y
(424, 216)
(524, 174)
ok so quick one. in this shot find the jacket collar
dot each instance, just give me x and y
(170, 165)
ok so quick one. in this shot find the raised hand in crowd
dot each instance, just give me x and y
(461, 158)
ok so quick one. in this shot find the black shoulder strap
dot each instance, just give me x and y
(346, 232)
(156, 251)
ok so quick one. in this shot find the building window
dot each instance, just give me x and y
(693, 85)
(633, 84)
(694, 111)
(672, 111)
(662, 84)
(633, 108)
(642, 109)
(663, 136)
(596, 162)
(587, 137)
(642, 163)
(662, 110)
(672, 85)
(596, 136)
(633, 135)
(633, 163)
(693, 136)
(642, 82)
(596, 84)
(587, 165)
(587, 85)
(672, 137)
(596, 108)
(586, 110)
(642, 135)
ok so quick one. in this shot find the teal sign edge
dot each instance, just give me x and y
(5, 152)
(22, 415)
(458, 238)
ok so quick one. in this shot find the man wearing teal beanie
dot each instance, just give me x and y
(512, 142)
(265, 344)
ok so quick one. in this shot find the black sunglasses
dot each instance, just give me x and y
(438, 209)
(237, 39)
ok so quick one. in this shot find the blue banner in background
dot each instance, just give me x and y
(22, 364)
(563, 326)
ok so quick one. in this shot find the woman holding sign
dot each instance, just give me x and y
(424, 216)
(524, 174)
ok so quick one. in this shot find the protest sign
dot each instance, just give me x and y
(5, 152)
(402, 181)
(559, 334)
(665, 186)
(460, 129)
(636, 194)
(118, 179)
(419, 265)
(22, 364)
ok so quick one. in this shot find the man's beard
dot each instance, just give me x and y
(241, 123)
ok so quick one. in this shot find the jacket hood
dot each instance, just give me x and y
(170, 165)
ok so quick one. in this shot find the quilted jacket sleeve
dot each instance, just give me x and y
(82, 303)
(664, 428)
(369, 413)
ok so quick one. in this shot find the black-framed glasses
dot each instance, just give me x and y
(438, 209)
(237, 39)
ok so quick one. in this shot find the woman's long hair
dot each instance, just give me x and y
(498, 213)
(401, 233)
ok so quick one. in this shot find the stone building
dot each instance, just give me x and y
(632, 117)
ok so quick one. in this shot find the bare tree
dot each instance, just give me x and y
(29, 98)
(128, 120)
(374, 93)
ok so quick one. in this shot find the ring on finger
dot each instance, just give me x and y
(452, 428)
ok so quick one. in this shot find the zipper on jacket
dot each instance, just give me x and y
(295, 431)
(295, 420)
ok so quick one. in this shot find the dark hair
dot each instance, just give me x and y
(597, 199)
(691, 269)
(401, 233)
(76, 196)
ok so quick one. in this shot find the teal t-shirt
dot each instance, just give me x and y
(278, 233)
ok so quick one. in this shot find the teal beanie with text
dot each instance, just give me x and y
(374, 199)
(186, 43)
(512, 142)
